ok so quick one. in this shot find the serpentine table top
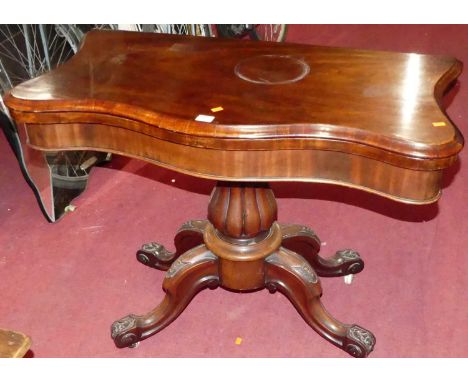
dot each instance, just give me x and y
(251, 111)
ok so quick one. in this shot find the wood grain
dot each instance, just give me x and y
(364, 119)
(321, 166)
(242, 211)
(13, 344)
(167, 81)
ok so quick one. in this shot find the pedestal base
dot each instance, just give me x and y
(242, 255)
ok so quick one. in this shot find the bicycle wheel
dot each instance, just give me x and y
(27, 51)
(232, 30)
(269, 32)
(265, 32)
(185, 29)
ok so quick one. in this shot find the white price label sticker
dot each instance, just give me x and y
(204, 118)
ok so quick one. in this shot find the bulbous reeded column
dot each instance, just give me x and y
(242, 233)
(242, 211)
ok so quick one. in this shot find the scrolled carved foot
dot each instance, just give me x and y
(193, 271)
(156, 256)
(124, 332)
(306, 243)
(349, 261)
(359, 342)
(292, 275)
(189, 235)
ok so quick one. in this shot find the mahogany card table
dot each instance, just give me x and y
(247, 113)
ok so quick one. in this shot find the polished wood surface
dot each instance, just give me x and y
(322, 166)
(282, 104)
(370, 120)
(13, 344)
(282, 258)
(157, 256)
(242, 212)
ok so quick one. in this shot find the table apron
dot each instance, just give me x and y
(321, 166)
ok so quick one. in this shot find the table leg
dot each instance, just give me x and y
(305, 242)
(189, 274)
(292, 275)
(241, 247)
(155, 255)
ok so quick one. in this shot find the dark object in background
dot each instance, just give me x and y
(265, 32)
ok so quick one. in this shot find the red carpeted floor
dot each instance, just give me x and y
(65, 283)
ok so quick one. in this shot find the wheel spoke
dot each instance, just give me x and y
(11, 40)
(44, 45)
(61, 53)
(42, 61)
(5, 79)
(29, 50)
(12, 58)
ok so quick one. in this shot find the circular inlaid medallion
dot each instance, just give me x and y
(272, 69)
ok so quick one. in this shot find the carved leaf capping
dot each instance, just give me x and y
(122, 325)
(158, 251)
(362, 336)
(187, 260)
(348, 254)
(298, 265)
